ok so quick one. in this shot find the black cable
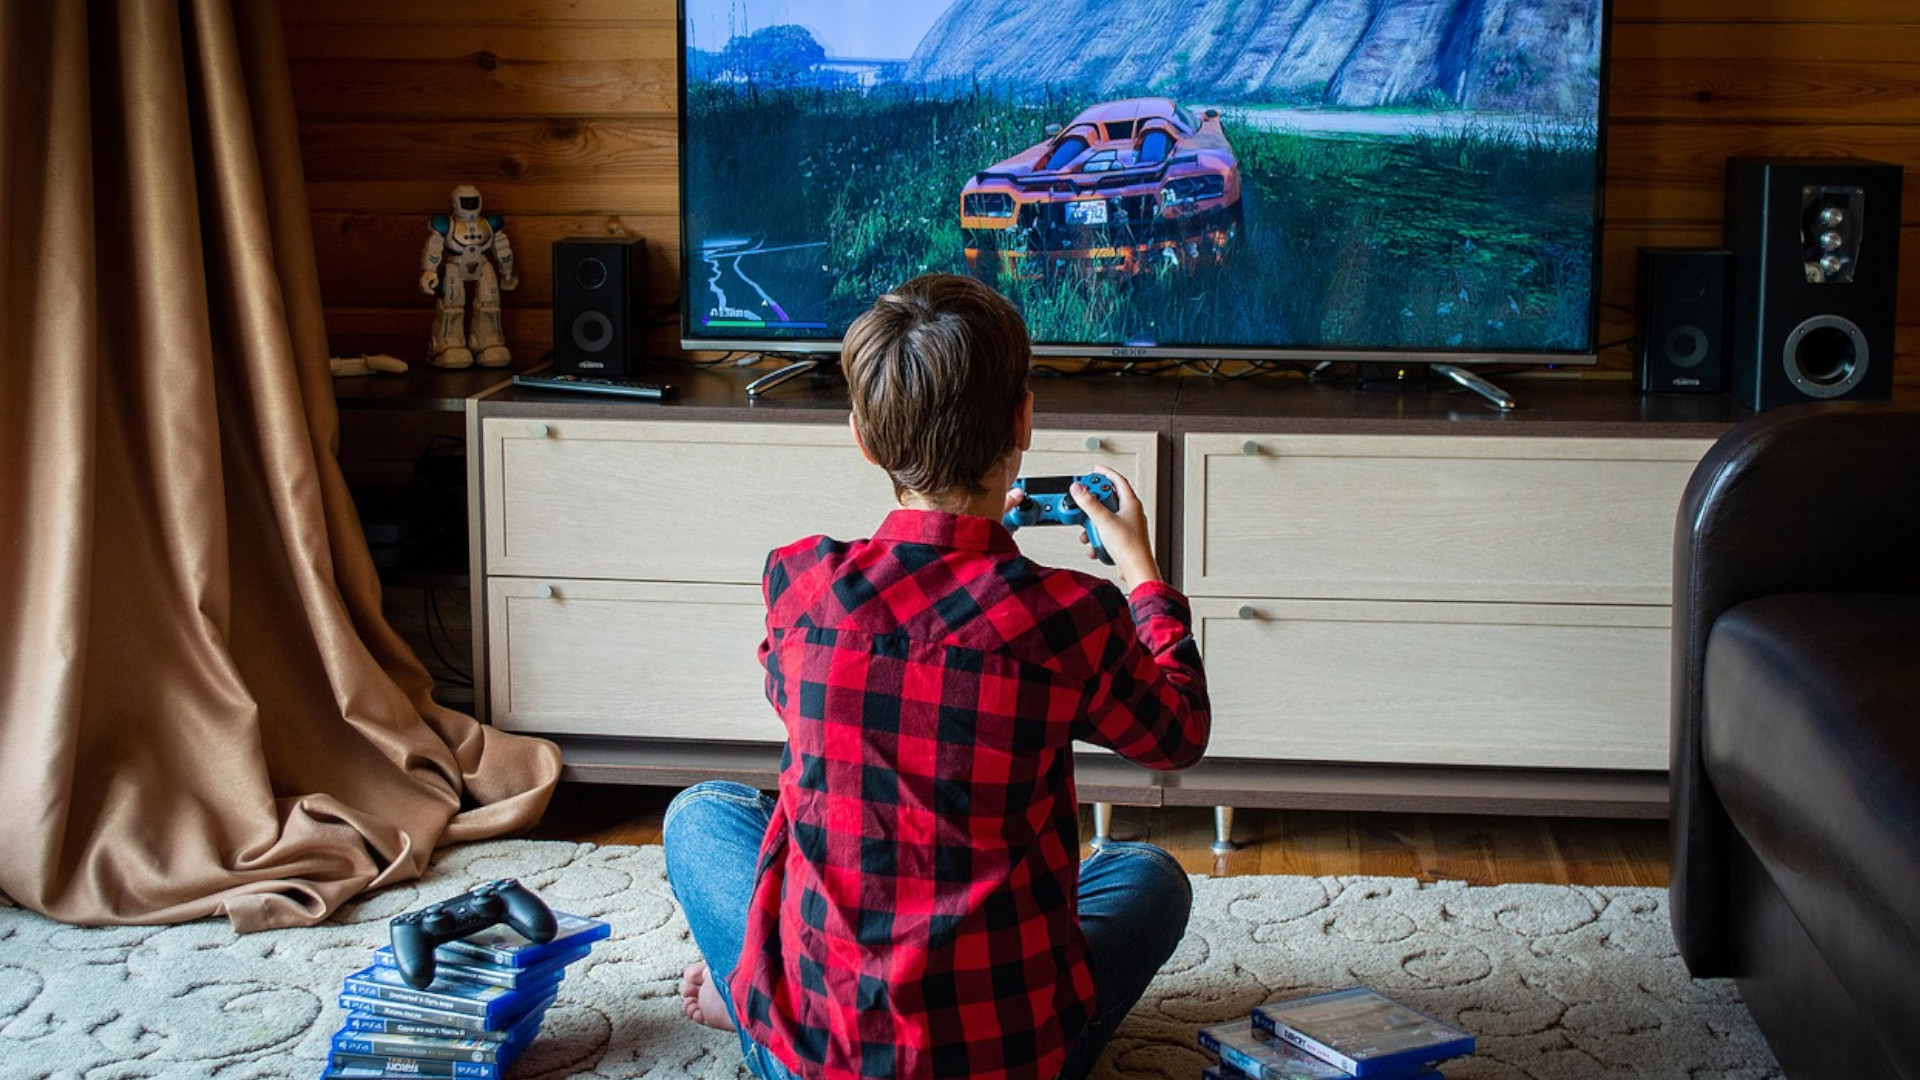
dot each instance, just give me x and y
(432, 615)
(440, 445)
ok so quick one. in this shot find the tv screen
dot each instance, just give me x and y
(1312, 179)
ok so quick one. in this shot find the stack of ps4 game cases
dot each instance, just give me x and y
(489, 994)
(1347, 1033)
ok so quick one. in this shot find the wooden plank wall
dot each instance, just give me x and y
(563, 113)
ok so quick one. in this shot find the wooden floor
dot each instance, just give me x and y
(1480, 850)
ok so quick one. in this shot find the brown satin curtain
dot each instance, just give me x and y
(202, 710)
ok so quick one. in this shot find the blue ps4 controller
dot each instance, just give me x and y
(1049, 501)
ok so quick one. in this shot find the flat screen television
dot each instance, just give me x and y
(1397, 180)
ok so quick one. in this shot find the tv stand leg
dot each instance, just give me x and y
(1102, 825)
(779, 375)
(1500, 398)
(1222, 830)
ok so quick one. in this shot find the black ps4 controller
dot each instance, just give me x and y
(417, 933)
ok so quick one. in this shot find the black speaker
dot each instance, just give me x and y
(1816, 258)
(1682, 315)
(596, 304)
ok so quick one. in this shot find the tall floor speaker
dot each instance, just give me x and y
(1682, 317)
(1816, 257)
(596, 304)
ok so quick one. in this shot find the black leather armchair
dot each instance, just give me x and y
(1796, 732)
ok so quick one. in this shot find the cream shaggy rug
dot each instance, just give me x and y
(1556, 982)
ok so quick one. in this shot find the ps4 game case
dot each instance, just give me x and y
(477, 1047)
(511, 978)
(1363, 1032)
(343, 1066)
(449, 993)
(505, 947)
(1246, 1050)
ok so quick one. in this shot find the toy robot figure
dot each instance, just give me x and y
(457, 253)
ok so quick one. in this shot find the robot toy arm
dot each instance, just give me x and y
(430, 262)
(503, 254)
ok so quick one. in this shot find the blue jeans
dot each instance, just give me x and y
(1134, 903)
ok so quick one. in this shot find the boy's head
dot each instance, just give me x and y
(937, 372)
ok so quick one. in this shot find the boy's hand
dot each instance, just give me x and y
(1015, 496)
(1124, 533)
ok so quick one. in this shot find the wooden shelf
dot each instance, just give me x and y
(1558, 404)
(422, 387)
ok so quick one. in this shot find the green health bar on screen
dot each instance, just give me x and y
(757, 324)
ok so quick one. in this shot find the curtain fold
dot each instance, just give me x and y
(202, 709)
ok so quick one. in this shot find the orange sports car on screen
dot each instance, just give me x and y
(1127, 186)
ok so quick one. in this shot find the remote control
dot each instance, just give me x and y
(1049, 501)
(600, 384)
(417, 933)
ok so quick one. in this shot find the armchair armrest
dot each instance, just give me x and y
(1821, 497)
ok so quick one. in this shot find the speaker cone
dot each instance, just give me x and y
(1686, 345)
(1826, 356)
(592, 331)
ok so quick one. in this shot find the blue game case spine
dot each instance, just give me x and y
(403, 1038)
(356, 1066)
(400, 1011)
(372, 1024)
(475, 1050)
(454, 1023)
(447, 993)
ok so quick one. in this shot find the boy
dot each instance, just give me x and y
(912, 905)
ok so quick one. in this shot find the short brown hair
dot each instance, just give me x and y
(937, 370)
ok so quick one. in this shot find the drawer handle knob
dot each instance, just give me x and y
(541, 431)
(544, 592)
(1093, 442)
(1249, 612)
(1250, 448)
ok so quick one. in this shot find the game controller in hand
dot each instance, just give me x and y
(1049, 501)
(417, 933)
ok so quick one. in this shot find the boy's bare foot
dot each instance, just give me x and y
(701, 1000)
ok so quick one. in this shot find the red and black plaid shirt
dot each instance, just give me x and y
(915, 914)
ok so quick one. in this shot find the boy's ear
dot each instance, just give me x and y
(1023, 424)
(854, 426)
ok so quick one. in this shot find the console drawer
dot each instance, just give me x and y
(636, 660)
(629, 659)
(1438, 683)
(1434, 517)
(668, 501)
(698, 502)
